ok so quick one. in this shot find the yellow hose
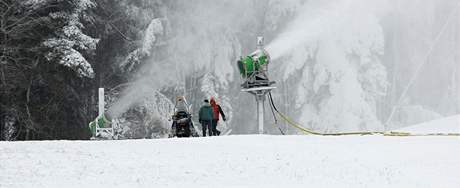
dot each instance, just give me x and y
(389, 133)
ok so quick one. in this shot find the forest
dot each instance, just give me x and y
(339, 65)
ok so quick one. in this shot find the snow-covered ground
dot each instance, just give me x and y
(235, 161)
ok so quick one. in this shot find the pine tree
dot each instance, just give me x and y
(44, 54)
(69, 42)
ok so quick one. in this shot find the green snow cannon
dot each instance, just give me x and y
(254, 67)
(253, 63)
(100, 122)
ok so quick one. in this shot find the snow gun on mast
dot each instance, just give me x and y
(254, 67)
(254, 71)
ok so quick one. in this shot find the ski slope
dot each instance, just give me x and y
(444, 125)
(234, 161)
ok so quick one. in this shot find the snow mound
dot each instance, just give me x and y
(444, 125)
(234, 161)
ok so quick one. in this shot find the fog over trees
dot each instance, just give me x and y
(340, 65)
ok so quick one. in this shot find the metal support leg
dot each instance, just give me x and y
(260, 98)
(259, 93)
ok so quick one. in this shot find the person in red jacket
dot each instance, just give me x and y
(217, 111)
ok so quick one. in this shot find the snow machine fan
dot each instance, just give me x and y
(254, 67)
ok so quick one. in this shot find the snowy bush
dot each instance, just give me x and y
(149, 118)
(8, 128)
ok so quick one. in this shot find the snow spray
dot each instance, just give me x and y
(188, 52)
(139, 90)
(314, 19)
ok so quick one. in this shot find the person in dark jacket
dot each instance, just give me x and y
(206, 115)
(217, 112)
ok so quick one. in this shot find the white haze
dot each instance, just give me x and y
(207, 36)
(188, 55)
(316, 18)
(196, 48)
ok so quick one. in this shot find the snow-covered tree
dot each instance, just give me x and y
(44, 52)
(341, 74)
(148, 42)
(69, 42)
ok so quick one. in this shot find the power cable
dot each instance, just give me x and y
(272, 107)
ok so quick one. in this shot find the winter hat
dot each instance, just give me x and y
(213, 101)
(206, 101)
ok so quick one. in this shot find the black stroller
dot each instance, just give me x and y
(182, 125)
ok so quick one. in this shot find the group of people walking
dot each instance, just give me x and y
(209, 116)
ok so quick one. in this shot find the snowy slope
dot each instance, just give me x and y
(234, 161)
(444, 125)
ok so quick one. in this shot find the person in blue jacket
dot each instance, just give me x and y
(206, 115)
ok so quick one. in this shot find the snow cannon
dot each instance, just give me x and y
(254, 67)
(101, 127)
(254, 71)
(101, 122)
